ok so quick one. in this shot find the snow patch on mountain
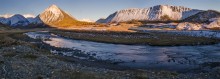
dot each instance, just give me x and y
(189, 26)
(215, 23)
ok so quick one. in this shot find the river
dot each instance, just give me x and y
(177, 58)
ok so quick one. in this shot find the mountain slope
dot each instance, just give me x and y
(101, 20)
(56, 17)
(18, 20)
(152, 14)
(35, 20)
(202, 17)
(4, 21)
(53, 14)
(4, 27)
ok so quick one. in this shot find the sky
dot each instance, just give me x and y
(95, 9)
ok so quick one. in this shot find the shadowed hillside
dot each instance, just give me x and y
(4, 27)
(203, 17)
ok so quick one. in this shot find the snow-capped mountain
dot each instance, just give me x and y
(55, 16)
(15, 20)
(35, 20)
(4, 21)
(52, 16)
(152, 14)
(30, 17)
(18, 20)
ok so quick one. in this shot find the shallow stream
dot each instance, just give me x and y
(177, 58)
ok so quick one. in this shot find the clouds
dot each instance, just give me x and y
(10, 15)
(87, 20)
(6, 15)
(29, 15)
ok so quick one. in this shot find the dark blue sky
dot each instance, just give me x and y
(95, 9)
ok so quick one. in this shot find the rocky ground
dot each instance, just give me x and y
(21, 59)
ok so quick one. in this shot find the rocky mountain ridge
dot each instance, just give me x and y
(151, 14)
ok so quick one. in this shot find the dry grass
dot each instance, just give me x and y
(122, 27)
(30, 56)
(9, 54)
(4, 27)
(102, 27)
(76, 74)
(7, 41)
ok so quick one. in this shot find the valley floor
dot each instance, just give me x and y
(21, 58)
(153, 38)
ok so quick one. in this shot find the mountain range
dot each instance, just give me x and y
(52, 16)
(56, 17)
(154, 13)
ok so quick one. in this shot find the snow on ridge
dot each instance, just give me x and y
(152, 13)
(54, 9)
(51, 14)
(18, 19)
(15, 20)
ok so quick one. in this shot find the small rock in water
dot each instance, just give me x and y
(133, 60)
